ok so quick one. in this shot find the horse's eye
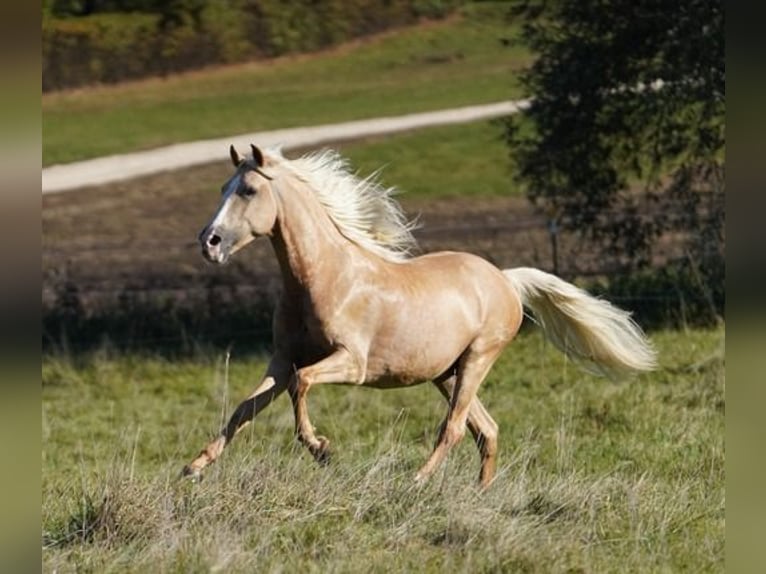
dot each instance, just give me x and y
(248, 192)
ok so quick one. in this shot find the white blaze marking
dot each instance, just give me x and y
(220, 215)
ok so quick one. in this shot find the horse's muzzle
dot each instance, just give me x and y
(214, 248)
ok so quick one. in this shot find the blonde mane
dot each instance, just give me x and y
(362, 209)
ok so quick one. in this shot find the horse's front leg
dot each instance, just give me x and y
(274, 382)
(340, 367)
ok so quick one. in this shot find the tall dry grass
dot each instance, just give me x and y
(593, 476)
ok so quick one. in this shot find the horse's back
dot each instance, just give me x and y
(467, 273)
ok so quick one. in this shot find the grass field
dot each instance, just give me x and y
(594, 476)
(460, 61)
(451, 161)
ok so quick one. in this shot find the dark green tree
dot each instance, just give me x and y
(170, 9)
(625, 139)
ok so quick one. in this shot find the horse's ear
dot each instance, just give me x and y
(257, 155)
(236, 159)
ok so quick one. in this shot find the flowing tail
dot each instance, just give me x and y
(595, 333)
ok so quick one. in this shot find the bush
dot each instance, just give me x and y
(140, 318)
(681, 294)
(113, 47)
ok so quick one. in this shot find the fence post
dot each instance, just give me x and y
(553, 230)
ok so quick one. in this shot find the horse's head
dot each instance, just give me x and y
(247, 210)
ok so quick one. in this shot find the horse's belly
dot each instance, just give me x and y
(408, 362)
(393, 382)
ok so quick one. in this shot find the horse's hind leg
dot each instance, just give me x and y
(482, 427)
(472, 368)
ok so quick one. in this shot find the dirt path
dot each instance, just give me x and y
(59, 178)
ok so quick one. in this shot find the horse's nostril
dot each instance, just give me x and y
(214, 240)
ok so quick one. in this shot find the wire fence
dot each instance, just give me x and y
(97, 300)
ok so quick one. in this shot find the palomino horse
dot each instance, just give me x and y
(357, 309)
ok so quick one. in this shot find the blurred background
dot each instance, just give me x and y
(613, 178)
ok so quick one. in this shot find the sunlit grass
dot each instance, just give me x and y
(451, 161)
(594, 476)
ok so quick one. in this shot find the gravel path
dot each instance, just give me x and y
(65, 177)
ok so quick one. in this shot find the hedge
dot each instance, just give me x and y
(109, 48)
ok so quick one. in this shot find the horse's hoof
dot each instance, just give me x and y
(324, 458)
(322, 453)
(192, 474)
(420, 479)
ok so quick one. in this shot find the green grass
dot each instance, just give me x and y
(457, 62)
(594, 476)
(451, 161)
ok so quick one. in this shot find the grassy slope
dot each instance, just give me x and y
(457, 62)
(450, 161)
(594, 476)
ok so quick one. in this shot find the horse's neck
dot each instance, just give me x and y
(309, 248)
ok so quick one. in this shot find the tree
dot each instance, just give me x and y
(625, 138)
(173, 10)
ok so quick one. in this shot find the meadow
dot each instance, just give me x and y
(594, 476)
(467, 59)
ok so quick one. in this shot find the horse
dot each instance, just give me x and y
(357, 307)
